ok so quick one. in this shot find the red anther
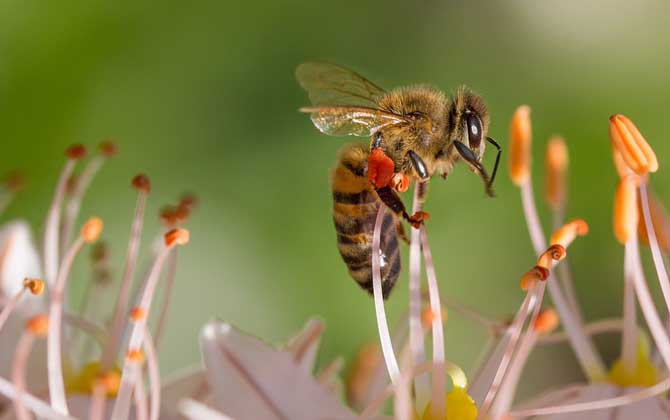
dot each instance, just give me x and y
(533, 276)
(14, 181)
(380, 168)
(181, 213)
(400, 182)
(168, 216)
(108, 148)
(177, 237)
(418, 218)
(36, 286)
(76, 152)
(141, 182)
(137, 314)
(188, 200)
(38, 325)
(135, 356)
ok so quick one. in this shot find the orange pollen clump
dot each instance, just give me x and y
(111, 381)
(629, 142)
(38, 325)
(76, 152)
(553, 253)
(141, 182)
(92, 229)
(520, 143)
(556, 164)
(547, 321)
(400, 182)
(533, 276)
(36, 286)
(177, 237)
(135, 356)
(428, 317)
(380, 168)
(625, 209)
(108, 148)
(137, 314)
(568, 232)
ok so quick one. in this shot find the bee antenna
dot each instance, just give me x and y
(495, 165)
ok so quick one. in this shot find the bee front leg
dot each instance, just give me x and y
(391, 199)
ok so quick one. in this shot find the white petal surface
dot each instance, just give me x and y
(251, 380)
(18, 258)
(305, 345)
(649, 409)
(191, 384)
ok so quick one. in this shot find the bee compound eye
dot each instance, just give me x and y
(474, 131)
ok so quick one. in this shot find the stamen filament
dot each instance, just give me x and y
(121, 307)
(21, 356)
(36, 405)
(141, 410)
(382, 326)
(629, 335)
(598, 327)
(170, 277)
(154, 377)
(96, 410)
(438, 409)
(10, 306)
(653, 244)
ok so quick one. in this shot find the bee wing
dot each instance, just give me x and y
(351, 120)
(330, 84)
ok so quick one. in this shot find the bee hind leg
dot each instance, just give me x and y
(401, 232)
(391, 199)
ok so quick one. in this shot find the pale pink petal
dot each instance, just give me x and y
(18, 260)
(195, 410)
(305, 345)
(251, 380)
(191, 384)
(654, 408)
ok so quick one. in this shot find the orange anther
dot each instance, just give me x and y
(177, 237)
(520, 143)
(428, 317)
(137, 314)
(555, 252)
(111, 381)
(568, 232)
(108, 148)
(92, 229)
(400, 182)
(135, 356)
(547, 321)
(634, 149)
(556, 165)
(625, 209)
(533, 276)
(36, 286)
(76, 152)
(380, 168)
(188, 200)
(38, 325)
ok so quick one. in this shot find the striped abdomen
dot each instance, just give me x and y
(355, 206)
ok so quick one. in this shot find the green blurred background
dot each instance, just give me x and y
(202, 97)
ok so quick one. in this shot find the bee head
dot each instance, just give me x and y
(468, 121)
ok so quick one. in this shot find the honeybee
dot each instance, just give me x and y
(415, 132)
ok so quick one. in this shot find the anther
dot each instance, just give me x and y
(555, 252)
(428, 317)
(35, 286)
(533, 276)
(135, 356)
(556, 164)
(141, 183)
(137, 314)
(76, 152)
(547, 321)
(111, 381)
(108, 148)
(91, 230)
(188, 200)
(625, 209)
(38, 325)
(400, 182)
(520, 142)
(634, 149)
(177, 237)
(568, 232)
(14, 181)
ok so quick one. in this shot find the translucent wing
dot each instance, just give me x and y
(330, 84)
(351, 120)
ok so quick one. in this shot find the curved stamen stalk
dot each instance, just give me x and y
(604, 326)
(382, 325)
(10, 306)
(170, 277)
(36, 405)
(142, 184)
(36, 327)
(52, 224)
(627, 399)
(90, 233)
(439, 389)
(139, 317)
(653, 245)
(141, 410)
(98, 402)
(629, 336)
(416, 333)
(154, 377)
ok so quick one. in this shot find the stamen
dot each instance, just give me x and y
(10, 306)
(52, 224)
(130, 370)
(520, 139)
(625, 210)
(630, 334)
(556, 165)
(634, 149)
(167, 297)
(660, 221)
(39, 407)
(569, 232)
(36, 327)
(107, 150)
(141, 410)
(382, 326)
(439, 388)
(546, 322)
(400, 182)
(89, 233)
(154, 377)
(142, 184)
(597, 327)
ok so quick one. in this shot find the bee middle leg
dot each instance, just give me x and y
(391, 199)
(401, 231)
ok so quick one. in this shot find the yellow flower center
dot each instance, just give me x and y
(644, 375)
(459, 407)
(84, 381)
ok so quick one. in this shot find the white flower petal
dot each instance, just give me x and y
(251, 380)
(649, 409)
(305, 345)
(195, 410)
(18, 258)
(191, 383)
